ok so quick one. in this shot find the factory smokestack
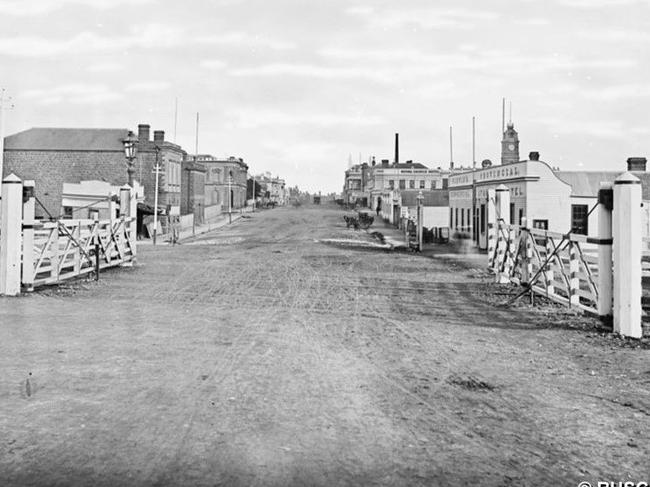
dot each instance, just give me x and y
(396, 148)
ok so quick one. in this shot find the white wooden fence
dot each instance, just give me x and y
(36, 253)
(601, 275)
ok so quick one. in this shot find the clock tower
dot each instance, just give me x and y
(510, 145)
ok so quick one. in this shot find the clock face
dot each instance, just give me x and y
(511, 146)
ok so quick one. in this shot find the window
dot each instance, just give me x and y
(456, 219)
(469, 224)
(580, 219)
(512, 213)
(462, 218)
(402, 184)
(390, 184)
(412, 184)
(521, 215)
(482, 219)
(540, 224)
(421, 183)
(67, 212)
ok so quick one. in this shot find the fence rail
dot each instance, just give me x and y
(66, 249)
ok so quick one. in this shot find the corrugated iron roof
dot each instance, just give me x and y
(586, 183)
(67, 139)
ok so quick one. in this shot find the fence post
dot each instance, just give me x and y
(11, 218)
(550, 286)
(574, 279)
(491, 219)
(29, 207)
(502, 204)
(527, 251)
(605, 270)
(627, 255)
(125, 201)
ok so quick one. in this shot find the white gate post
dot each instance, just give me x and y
(11, 216)
(29, 207)
(605, 270)
(502, 203)
(125, 201)
(491, 219)
(627, 255)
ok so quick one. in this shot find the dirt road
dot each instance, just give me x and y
(259, 355)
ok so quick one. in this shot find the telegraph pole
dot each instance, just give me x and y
(5, 104)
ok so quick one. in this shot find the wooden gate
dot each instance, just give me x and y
(562, 267)
(65, 249)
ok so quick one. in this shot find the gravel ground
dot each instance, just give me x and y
(283, 350)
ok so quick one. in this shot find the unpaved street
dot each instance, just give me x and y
(259, 355)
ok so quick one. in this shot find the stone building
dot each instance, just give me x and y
(221, 176)
(193, 189)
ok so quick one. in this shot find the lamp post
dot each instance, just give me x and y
(129, 151)
(420, 201)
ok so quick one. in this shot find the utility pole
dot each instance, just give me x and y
(155, 197)
(474, 210)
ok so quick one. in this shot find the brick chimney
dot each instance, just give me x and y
(533, 156)
(636, 163)
(159, 136)
(384, 162)
(396, 148)
(143, 132)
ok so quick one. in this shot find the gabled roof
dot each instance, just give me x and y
(586, 183)
(432, 197)
(67, 139)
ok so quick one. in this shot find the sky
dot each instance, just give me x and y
(300, 88)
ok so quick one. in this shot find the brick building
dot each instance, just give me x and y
(193, 189)
(53, 156)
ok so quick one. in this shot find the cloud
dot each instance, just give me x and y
(426, 18)
(618, 92)
(249, 118)
(147, 86)
(146, 36)
(616, 35)
(39, 7)
(244, 39)
(76, 93)
(214, 64)
(105, 67)
(598, 4)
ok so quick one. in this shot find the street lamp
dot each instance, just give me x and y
(420, 210)
(129, 152)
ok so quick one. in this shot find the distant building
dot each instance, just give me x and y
(355, 186)
(221, 176)
(274, 188)
(193, 189)
(550, 199)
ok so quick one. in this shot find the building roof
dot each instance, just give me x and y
(586, 183)
(432, 197)
(67, 139)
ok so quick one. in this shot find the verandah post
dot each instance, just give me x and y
(11, 218)
(627, 255)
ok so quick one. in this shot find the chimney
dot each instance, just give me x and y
(396, 148)
(384, 162)
(143, 132)
(533, 156)
(636, 163)
(373, 161)
(159, 136)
